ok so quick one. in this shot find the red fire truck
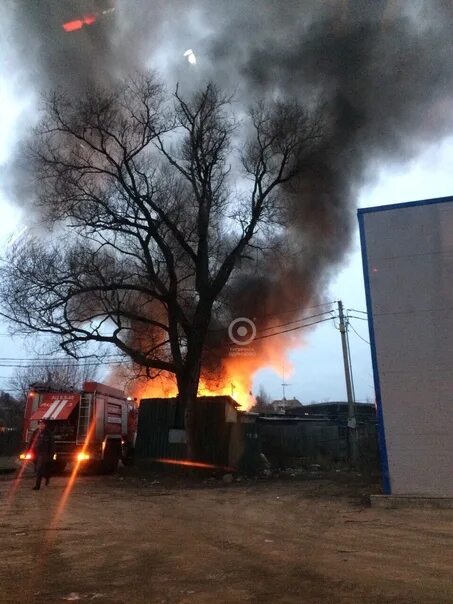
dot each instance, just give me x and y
(96, 426)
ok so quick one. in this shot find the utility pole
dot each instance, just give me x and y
(284, 384)
(352, 433)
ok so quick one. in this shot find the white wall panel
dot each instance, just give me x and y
(408, 267)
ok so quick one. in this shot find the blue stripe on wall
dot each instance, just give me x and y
(385, 474)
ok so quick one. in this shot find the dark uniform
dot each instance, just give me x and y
(44, 449)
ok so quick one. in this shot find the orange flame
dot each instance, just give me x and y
(79, 23)
(235, 373)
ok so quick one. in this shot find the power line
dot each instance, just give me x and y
(21, 335)
(62, 362)
(53, 365)
(49, 357)
(363, 312)
(305, 318)
(296, 321)
(285, 312)
(357, 334)
(293, 329)
(275, 314)
(322, 304)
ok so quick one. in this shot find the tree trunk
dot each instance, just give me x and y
(189, 379)
(187, 399)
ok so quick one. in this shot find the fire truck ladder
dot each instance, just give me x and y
(84, 417)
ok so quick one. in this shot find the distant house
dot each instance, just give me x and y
(284, 405)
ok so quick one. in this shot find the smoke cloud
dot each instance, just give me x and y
(380, 72)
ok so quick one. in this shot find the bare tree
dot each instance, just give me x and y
(68, 376)
(11, 411)
(263, 402)
(153, 208)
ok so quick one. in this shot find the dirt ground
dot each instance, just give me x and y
(137, 537)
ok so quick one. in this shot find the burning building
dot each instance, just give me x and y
(218, 421)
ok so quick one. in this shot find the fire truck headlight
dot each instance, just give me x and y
(54, 457)
(25, 456)
(82, 456)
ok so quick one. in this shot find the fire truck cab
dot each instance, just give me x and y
(96, 426)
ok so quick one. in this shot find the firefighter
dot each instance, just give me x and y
(43, 448)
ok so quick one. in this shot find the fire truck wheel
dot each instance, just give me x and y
(109, 465)
(129, 458)
(111, 458)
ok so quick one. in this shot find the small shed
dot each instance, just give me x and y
(159, 436)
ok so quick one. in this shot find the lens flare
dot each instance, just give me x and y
(81, 457)
(193, 464)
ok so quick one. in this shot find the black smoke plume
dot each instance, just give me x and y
(379, 71)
